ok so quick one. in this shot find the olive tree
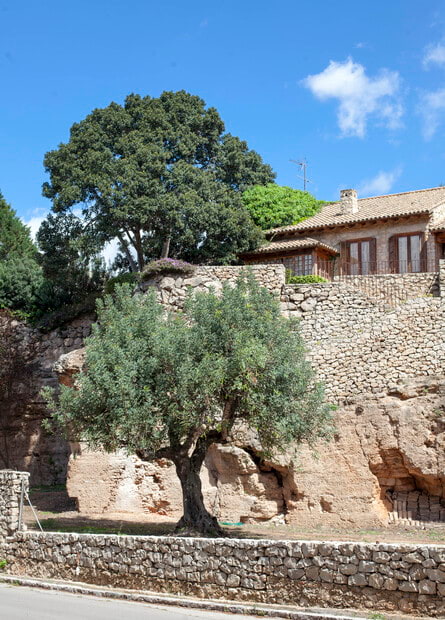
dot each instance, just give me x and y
(168, 385)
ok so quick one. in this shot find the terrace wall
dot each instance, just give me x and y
(380, 577)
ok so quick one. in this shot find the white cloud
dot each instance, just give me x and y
(432, 108)
(34, 224)
(434, 55)
(110, 251)
(360, 97)
(382, 183)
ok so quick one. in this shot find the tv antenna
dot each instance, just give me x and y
(303, 168)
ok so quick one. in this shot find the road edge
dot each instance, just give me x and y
(165, 600)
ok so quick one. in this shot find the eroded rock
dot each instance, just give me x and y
(387, 458)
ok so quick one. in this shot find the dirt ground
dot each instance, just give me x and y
(56, 512)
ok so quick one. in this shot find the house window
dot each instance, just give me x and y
(358, 257)
(408, 253)
(300, 265)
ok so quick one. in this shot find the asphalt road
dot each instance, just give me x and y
(21, 603)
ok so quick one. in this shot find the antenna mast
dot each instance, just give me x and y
(303, 168)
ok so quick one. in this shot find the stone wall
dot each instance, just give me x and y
(13, 484)
(357, 340)
(377, 360)
(380, 577)
(172, 291)
(358, 345)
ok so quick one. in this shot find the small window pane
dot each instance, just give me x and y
(365, 257)
(415, 253)
(403, 254)
(353, 253)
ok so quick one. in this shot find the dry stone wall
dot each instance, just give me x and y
(361, 349)
(13, 485)
(380, 577)
(358, 345)
(382, 364)
(172, 291)
(357, 342)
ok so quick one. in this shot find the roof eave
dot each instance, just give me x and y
(285, 231)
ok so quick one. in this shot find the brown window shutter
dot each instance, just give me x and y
(423, 254)
(392, 254)
(373, 255)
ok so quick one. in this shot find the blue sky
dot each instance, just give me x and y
(356, 88)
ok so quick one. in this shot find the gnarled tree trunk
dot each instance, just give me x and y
(196, 519)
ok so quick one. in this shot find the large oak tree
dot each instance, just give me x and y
(162, 175)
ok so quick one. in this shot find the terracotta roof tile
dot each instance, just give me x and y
(292, 244)
(438, 226)
(374, 208)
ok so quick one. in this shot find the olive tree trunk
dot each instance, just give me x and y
(196, 518)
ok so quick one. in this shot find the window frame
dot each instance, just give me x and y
(372, 255)
(308, 261)
(423, 252)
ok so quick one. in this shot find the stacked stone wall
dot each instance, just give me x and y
(13, 484)
(358, 345)
(381, 577)
(173, 290)
(357, 340)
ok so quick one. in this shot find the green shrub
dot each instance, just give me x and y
(311, 279)
(21, 279)
(165, 266)
(3, 564)
(123, 278)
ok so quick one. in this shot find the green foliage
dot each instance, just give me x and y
(271, 206)
(15, 239)
(21, 280)
(122, 278)
(154, 384)
(309, 279)
(166, 266)
(21, 277)
(3, 564)
(162, 176)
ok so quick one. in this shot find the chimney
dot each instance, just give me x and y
(348, 201)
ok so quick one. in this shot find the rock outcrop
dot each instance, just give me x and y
(385, 462)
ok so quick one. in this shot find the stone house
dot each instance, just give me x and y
(396, 233)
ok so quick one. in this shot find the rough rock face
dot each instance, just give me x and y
(68, 365)
(30, 355)
(386, 461)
